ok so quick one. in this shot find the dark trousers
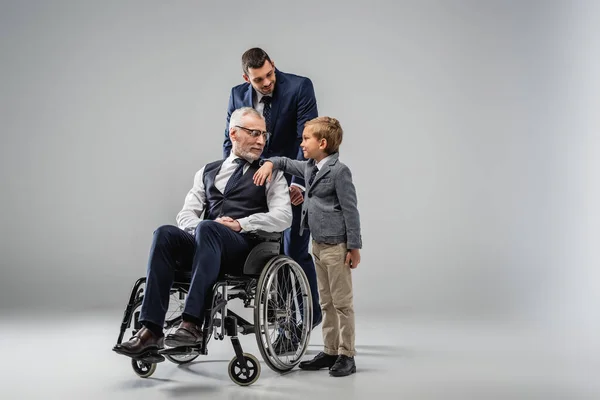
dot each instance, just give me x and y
(213, 245)
(296, 247)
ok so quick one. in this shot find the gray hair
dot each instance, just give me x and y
(238, 114)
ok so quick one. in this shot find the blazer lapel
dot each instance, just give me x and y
(248, 101)
(280, 88)
(323, 171)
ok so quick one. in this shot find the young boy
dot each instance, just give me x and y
(331, 214)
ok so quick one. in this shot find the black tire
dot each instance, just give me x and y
(244, 376)
(282, 281)
(143, 369)
(182, 359)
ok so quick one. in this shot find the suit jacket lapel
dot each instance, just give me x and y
(248, 100)
(324, 170)
(280, 88)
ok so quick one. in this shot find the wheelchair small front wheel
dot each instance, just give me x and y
(244, 376)
(142, 368)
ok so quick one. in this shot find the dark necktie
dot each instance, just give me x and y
(315, 170)
(267, 111)
(235, 178)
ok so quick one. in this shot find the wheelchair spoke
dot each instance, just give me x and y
(282, 304)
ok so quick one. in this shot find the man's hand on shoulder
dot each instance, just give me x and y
(296, 195)
(229, 222)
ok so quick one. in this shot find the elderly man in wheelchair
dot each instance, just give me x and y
(227, 245)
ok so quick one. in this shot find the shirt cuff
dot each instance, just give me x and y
(245, 224)
(300, 186)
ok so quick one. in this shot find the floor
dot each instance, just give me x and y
(70, 356)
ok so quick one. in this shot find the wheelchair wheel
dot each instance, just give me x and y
(182, 358)
(282, 313)
(244, 376)
(143, 369)
(172, 319)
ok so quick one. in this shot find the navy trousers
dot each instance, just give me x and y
(296, 247)
(213, 245)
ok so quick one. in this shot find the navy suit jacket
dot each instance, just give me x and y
(293, 104)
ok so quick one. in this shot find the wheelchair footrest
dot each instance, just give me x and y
(151, 357)
(174, 351)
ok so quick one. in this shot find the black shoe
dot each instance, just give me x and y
(343, 366)
(321, 360)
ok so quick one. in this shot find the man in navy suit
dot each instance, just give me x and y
(287, 102)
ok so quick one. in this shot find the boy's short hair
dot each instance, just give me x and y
(327, 128)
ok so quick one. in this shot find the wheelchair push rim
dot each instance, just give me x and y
(282, 313)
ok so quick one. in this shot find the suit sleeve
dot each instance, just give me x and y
(346, 193)
(227, 141)
(289, 166)
(306, 110)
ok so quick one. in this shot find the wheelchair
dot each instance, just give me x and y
(272, 284)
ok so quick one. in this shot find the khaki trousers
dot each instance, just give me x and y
(336, 298)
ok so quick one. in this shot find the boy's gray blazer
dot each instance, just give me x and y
(330, 206)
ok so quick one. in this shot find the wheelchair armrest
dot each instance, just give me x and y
(264, 236)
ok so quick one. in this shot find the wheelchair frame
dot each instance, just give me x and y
(254, 288)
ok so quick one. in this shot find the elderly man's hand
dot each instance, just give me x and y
(229, 222)
(296, 195)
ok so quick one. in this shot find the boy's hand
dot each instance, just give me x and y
(353, 258)
(264, 173)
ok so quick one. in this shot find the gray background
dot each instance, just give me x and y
(470, 127)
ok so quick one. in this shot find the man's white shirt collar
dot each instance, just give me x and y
(259, 96)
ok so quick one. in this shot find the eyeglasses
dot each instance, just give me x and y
(255, 132)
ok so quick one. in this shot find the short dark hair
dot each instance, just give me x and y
(254, 58)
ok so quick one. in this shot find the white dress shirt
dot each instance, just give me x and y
(258, 105)
(277, 219)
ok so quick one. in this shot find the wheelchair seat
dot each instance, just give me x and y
(266, 246)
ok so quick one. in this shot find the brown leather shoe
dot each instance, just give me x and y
(142, 342)
(187, 334)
